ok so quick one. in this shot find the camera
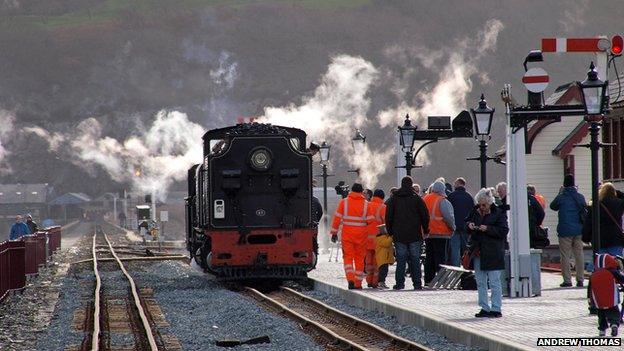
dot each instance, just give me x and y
(342, 189)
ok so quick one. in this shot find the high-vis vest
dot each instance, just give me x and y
(378, 208)
(354, 214)
(437, 225)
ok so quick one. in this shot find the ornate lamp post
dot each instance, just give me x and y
(324, 152)
(406, 138)
(482, 120)
(358, 142)
(593, 92)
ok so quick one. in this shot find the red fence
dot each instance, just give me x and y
(23, 257)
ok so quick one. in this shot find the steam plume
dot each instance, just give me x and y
(6, 127)
(159, 156)
(339, 104)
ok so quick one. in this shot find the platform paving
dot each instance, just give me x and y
(558, 312)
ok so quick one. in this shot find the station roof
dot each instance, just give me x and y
(71, 199)
(25, 193)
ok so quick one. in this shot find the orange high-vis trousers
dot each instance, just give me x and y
(372, 271)
(353, 253)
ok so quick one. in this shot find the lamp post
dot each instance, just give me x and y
(482, 120)
(406, 138)
(593, 92)
(324, 152)
(358, 142)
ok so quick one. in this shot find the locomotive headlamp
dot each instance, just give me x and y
(260, 159)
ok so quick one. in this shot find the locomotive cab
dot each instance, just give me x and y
(249, 214)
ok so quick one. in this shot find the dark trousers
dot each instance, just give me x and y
(383, 273)
(608, 317)
(435, 255)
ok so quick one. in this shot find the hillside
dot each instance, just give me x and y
(121, 62)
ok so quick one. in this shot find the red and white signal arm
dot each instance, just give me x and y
(584, 45)
(535, 80)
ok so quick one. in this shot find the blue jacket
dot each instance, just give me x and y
(18, 230)
(462, 205)
(570, 205)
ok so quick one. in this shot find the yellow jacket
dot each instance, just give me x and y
(384, 251)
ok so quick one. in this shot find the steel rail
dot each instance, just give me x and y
(95, 336)
(349, 345)
(137, 301)
(395, 339)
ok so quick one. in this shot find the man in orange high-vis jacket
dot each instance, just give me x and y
(441, 227)
(355, 214)
(379, 211)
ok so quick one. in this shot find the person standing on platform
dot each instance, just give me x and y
(441, 227)
(355, 214)
(379, 209)
(384, 257)
(487, 226)
(32, 225)
(539, 197)
(570, 205)
(407, 220)
(462, 205)
(18, 229)
(501, 198)
(611, 211)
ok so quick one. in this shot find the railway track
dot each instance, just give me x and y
(333, 329)
(109, 314)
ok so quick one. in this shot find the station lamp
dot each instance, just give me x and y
(593, 92)
(406, 132)
(324, 152)
(482, 117)
(358, 142)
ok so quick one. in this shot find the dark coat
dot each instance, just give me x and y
(32, 226)
(610, 234)
(536, 216)
(462, 205)
(407, 217)
(317, 209)
(571, 207)
(491, 243)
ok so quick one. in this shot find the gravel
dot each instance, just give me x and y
(425, 337)
(61, 334)
(200, 311)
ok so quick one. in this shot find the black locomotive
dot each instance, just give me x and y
(249, 204)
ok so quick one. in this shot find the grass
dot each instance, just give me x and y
(112, 9)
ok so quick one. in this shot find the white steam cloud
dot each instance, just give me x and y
(6, 128)
(150, 161)
(339, 104)
(449, 95)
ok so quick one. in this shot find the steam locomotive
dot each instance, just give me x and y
(249, 204)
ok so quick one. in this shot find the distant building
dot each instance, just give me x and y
(69, 206)
(21, 199)
(613, 132)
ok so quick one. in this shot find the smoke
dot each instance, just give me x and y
(225, 75)
(54, 140)
(150, 160)
(574, 16)
(337, 106)
(6, 129)
(449, 94)
(341, 103)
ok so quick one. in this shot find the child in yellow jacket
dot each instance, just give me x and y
(384, 254)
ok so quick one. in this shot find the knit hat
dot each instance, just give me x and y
(568, 180)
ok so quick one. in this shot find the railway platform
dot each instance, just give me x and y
(558, 312)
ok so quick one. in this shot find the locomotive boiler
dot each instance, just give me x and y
(249, 204)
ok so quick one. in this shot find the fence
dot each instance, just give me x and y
(23, 257)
